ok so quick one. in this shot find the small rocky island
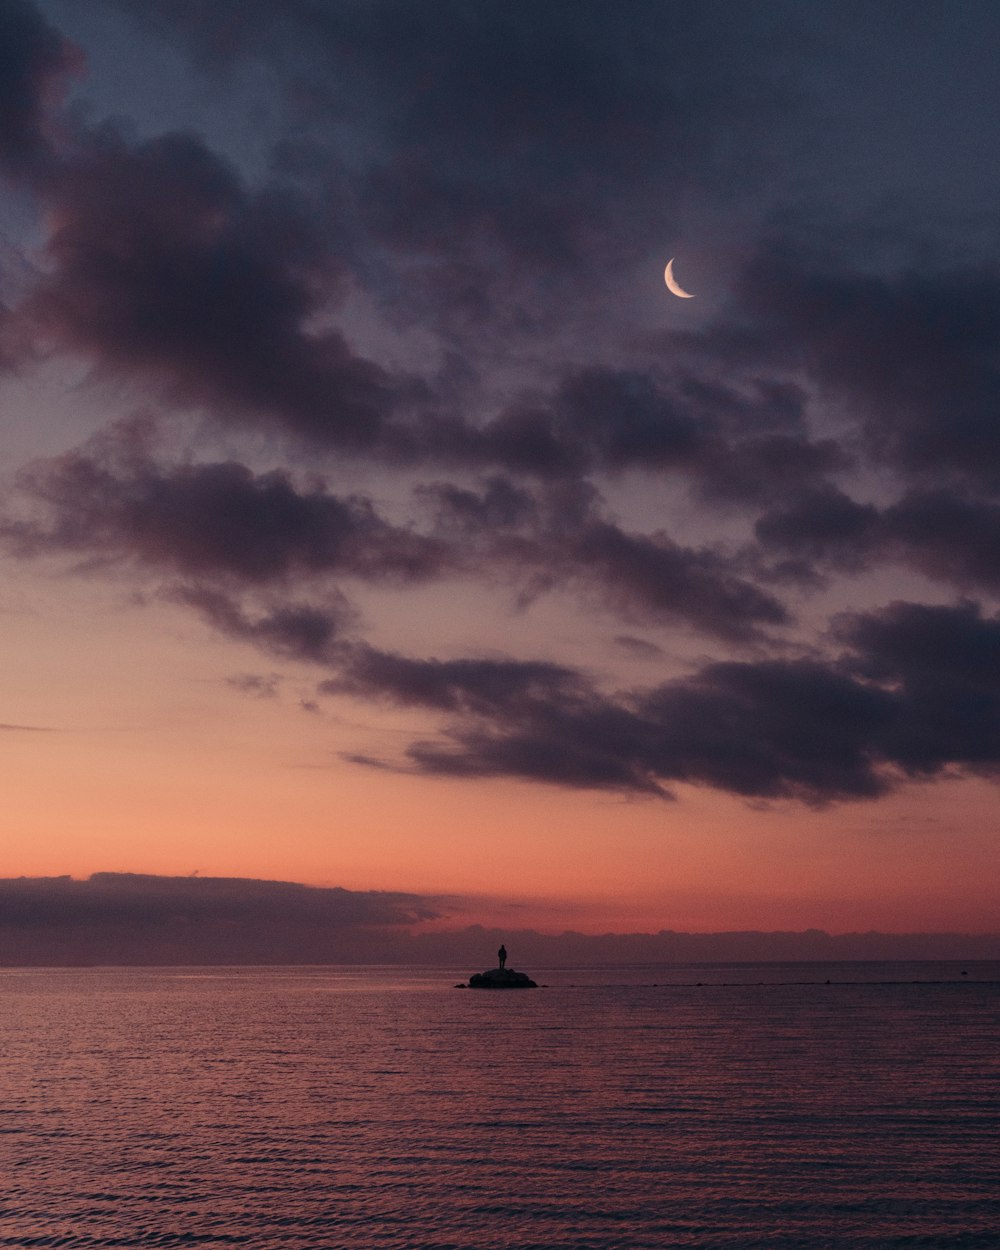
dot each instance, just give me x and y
(501, 977)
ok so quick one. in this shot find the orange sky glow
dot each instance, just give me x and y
(146, 762)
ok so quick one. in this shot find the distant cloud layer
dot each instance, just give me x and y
(467, 186)
(131, 918)
(122, 918)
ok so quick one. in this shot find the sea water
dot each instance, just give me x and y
(722, 1106)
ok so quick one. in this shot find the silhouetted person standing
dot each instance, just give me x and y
(502, 955)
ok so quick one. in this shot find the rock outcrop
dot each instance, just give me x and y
(501, 979)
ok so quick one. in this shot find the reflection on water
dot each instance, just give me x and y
(303, 1108)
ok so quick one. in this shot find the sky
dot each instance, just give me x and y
(374, 518)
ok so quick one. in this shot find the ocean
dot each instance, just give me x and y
(727, 1107)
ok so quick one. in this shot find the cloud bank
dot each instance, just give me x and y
(127, 919)
(132, 918)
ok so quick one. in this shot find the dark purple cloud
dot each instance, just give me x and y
(297, 631)
(916, 694)
(740, 445)
(808, 730)
(168, 268)
(113, 498)
(519, 125)
(820, 530)
(559, 535)
(499, 505)
(469, 686)
(577, 755)
(916, 643)
(490, 171)
(950, 536)
(653, 577)
(134, 918)
(491, 142)
(35, 62)
(535, 721)
(146, 899)
(770, 730)
(946, 662)
(165, 267)
(911, 357)
(919, 358)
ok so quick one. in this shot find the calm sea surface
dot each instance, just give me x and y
(327, 1107)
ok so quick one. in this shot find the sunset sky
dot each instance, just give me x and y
(373, 516)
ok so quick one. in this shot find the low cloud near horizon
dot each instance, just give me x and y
(138, 919)
(112, 917)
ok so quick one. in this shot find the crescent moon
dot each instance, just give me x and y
(672, 284)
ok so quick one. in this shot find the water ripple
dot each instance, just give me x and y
(157, 1109)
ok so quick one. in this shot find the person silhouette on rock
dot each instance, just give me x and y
(502, 956)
